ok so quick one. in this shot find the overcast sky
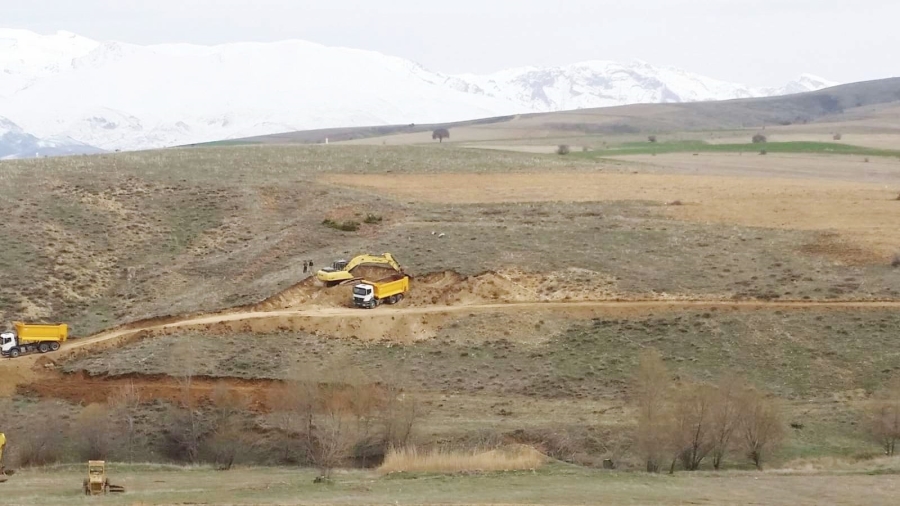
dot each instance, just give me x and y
(757, 42)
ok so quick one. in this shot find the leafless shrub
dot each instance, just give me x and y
(585, 149)
(186, 424)
(123, 406)
(725, 417)
(228, 437)
(41, 444)
(652, 389)
(652, 138)
(883, 417)
(895, 262)
(675, 203)
(763, 152)
(759, 139)
(837, 136)
(563, 149)
(692, 429)
(761, 428)
(93, 430)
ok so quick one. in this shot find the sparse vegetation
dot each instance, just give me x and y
(343, 226)
(411, 460)
(883, 416)
(372, 219)
(563, 149)
(692, 420)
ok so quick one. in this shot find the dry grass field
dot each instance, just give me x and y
(556, 485)
(539, 281)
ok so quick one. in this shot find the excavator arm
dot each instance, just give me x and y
(387, 258)
(333, 276)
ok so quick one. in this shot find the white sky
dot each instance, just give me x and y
(757, 42)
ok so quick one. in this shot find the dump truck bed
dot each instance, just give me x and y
(41, 332)
(392, 285)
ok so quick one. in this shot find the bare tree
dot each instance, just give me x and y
(332, 436)
(652, 388)
(41, 443)
(123, 405)
(186, 424)
(692, 429)
(294, 407)
(725, 417)
(440, 134)
(883, 416)
(761, 427)
(228, 437)
(93, 429)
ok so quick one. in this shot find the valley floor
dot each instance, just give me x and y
(556, 484)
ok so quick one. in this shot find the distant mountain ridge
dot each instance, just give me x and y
(16, 143)
(114, 95)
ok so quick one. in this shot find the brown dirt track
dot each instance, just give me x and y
(34, 374)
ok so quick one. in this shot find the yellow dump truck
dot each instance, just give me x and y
(388, 290)
(30, 337)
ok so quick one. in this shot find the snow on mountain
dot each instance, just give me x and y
(16, 143)
(124, 96)
(605, 83)
(805, 83)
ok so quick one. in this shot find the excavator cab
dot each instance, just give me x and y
(339, 265)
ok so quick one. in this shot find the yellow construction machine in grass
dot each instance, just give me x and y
(97, 482)
(340, 271)
(2, 447)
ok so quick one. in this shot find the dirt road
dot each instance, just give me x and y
(385, 311)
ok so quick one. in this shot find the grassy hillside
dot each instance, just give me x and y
(850, 102)
(96, 241)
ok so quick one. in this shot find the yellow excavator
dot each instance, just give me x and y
(339, 272)
(2, 447)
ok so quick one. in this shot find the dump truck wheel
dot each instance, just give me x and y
(43, 347)
(14, 352)
(54, 346)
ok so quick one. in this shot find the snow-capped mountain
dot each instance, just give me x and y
(115, 95)
(606, 83)
(16, 143)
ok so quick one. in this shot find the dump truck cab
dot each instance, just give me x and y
(364, 295)
(8, 341)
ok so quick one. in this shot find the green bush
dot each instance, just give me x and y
(346, 226)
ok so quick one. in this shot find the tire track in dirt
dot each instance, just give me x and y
(25, 369)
